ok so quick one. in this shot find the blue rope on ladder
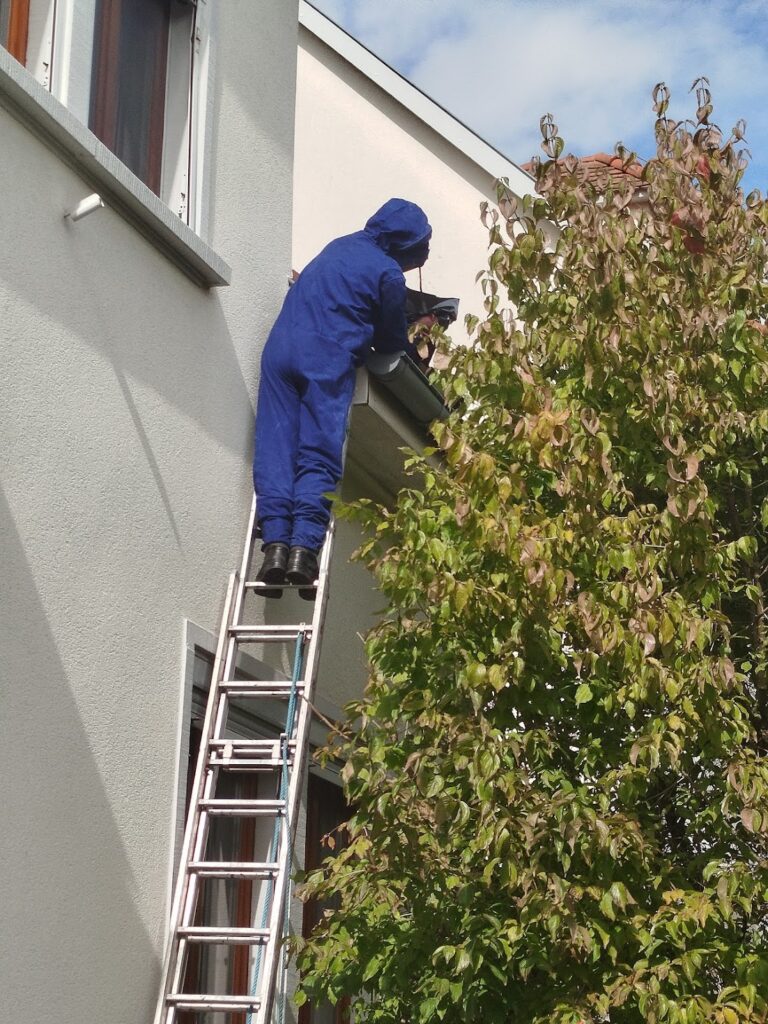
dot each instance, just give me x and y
(275, 844)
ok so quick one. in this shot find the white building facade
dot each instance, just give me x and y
(130, 344)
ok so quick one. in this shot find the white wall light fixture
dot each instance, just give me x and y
(84, 207)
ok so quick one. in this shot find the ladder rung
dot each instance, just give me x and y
(251, 746)
(256, 586)
(261, 688)
(245, 764)
(248, 755)
(220, 1004)
(242, 808)
(268, 634)
(232, 869)
(229, 936)
(258, 755)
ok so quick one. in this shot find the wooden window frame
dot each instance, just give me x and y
(18, 30)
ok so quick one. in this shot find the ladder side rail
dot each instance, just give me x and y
(249, 539)
(230, 661)
(190, 830)
(193, 881)
(222, 673)
(269, 967)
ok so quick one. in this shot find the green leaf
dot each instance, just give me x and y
(583, 694)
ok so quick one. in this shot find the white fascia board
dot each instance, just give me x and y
(414, 100)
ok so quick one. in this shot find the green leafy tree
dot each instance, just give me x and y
(559, 766)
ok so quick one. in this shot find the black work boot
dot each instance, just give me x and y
(273, 568)
(302, 568)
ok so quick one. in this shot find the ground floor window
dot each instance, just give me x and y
(221, 969)
(228, 902)
(326, 810)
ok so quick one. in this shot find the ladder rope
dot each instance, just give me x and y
(283, 791)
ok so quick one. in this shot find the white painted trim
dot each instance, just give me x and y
(40, 40)
(121, 190)
(414, 100)
(72, 55)
(201, 117)
(194, 636)
(174, 185)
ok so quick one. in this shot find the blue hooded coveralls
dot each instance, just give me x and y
(348, 299)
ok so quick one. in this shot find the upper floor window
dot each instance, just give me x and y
(134, 71)
(128, 80)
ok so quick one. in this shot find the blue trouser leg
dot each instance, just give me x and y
(277, 428)
(325, 402)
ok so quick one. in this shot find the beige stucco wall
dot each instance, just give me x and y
(126, 398)
(355, 147)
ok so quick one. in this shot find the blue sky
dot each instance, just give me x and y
(499, 65)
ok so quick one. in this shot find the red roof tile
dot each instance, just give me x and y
(601, 169)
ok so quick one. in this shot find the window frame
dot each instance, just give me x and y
(18, 29)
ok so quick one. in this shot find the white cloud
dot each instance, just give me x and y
(499, 64)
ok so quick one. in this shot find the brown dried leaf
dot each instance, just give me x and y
(676, 446)
(462, 510)
(590, 420)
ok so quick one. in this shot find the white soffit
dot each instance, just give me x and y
(414, 100)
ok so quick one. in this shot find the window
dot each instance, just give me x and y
(14, 27)
(135, 72)
(128, 78)
(229, 902)
(326, 810)
(240, 902)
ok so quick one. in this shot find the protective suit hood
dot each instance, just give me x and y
(402, 230)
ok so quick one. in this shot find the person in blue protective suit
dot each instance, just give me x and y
(349, 299)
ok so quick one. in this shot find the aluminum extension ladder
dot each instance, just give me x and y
(287, 758)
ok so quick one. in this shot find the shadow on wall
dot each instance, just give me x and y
(98, 283)
(71, 934)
